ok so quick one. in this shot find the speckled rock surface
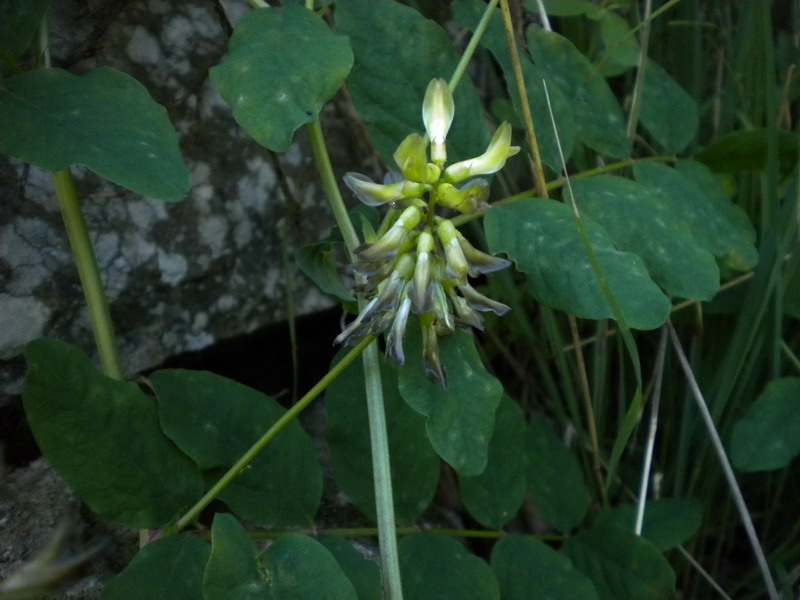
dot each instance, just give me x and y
(180, 276)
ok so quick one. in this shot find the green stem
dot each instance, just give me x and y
(270, 434)
(379, 443)
(473, 44)
(89, 273)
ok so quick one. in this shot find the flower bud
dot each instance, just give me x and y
(482, 303)
(491, 161)
(387, 245)
(467, 199)
(376, 194)
(394, 340)
(422, 272)
(430, 351)
(358, 328)
(457, 265)
(466, 315)
(412, 158)
(437, 113)
(441, 307)
(480, 262)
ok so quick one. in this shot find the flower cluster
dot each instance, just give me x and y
(420, 262)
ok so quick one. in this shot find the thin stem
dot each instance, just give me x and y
(270, 434)
(473, 44)
(538, 170)
(89, 273)
(633, 116)
(727, 470)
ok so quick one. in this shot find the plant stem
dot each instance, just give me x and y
(473, 44)
(379, 444)
(89, 273)
(270, 434)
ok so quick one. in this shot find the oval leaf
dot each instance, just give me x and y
(528, 569)
(103, 438)
(668, 112)
(415, 465)
(233, 573)
(365, 575)
(215, 420)
(767, 437)
(598, 117)
(460, 418)
(387, 87)
(640, 222)
(19, 20)
(668, 522)
(283, 65)
(541, 237)
(170, 568)
(494, 496)
(439, 568)
(555, 480)
(105, 120)
(623, 566)
(319, 265)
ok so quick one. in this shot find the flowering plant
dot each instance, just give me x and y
(420, 262)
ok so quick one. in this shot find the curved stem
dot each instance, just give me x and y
(89, 273)
(270, 434)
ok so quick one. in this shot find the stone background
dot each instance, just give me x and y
(179, 277)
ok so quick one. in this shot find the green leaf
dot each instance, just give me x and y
(387, 87)
(300, 568)
(668, 522)
(747, 150)
(767, 437)
(565, 8)
(439, 568)
(555, 480)
(623, 566)
(105, 120)
(283, 65)
(170, 568)
(318, 263)
(467, 13)
(541, 237)
(103, 438)
(461, 418)
(215, 420)
(667, 111)
(365, 575)
(741, 254)
(710, 221)
(494, 496)
(528, 569)
(621, 50)
(598, 117)
(233, 572)
(19, 20)
(642, 223)
(415, 465)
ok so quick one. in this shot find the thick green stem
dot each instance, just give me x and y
(379, 442)
(89, 273)
(270, 434)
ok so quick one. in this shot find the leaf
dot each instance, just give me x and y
(19, 20)
(387, 87)
(598, 117)
(565, 8)
(528, 569)
(319, 265)
(170, 568)
(710, 223)
(767, 437)
(667, 111)
(233, 573)
(363, 574)
(283, 65)
(461, 418)
(621, 48)
(741, 254)
(105, 120)
(642, 223)
(494, 496)
(555, 480)
(215, 420)
(747, 150)
(467, 13)
(415, 465)
(668, 522)
(439, 568)
(103, 438)
(300, 568)
(541, 237)
(623, 566)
